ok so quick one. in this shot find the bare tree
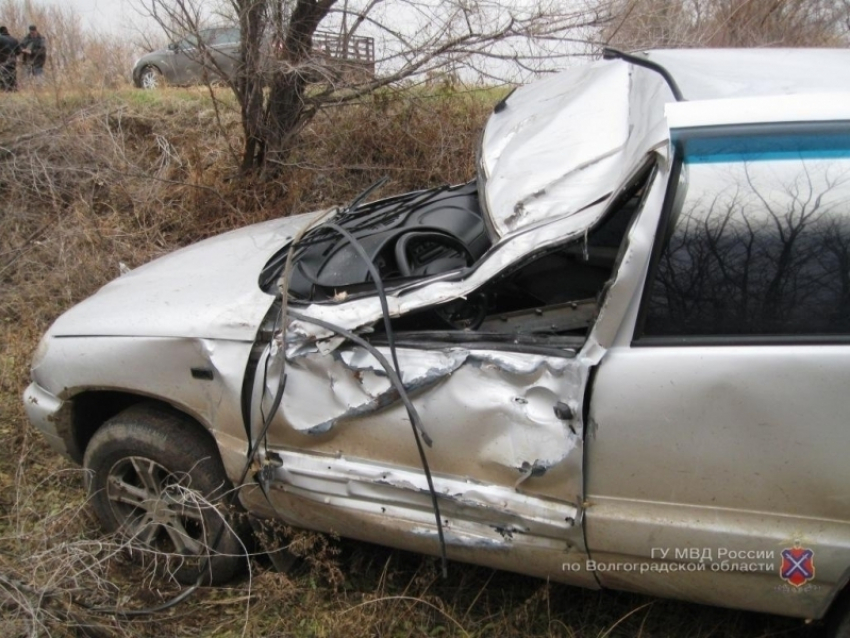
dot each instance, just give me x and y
(285, 76)
(641, 24)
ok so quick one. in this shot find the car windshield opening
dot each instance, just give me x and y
(554, 293)
(407, 238)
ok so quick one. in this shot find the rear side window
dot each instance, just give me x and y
(225, 36)
(757, 241)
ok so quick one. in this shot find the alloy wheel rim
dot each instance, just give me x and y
(156, 507)
(149, 79)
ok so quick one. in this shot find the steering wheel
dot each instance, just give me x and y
(420, 253)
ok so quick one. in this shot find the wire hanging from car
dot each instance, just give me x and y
(393, 373)
(320, 226)
(412, 414)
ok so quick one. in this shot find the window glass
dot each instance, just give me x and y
(224, 36)
(189, 42)
(759, 239)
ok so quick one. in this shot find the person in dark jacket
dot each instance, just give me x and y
(35, 51)
(9, 50)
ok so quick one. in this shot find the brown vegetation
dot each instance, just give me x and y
(281, 83)
(641, 24)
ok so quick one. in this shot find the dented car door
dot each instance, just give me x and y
(506, 455)
(500, 394)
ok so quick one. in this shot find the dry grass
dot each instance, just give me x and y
(92, 179)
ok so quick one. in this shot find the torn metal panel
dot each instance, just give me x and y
(390, 524)
(491, 414)
(354, 384)
(471, 508)
(483, 523)
(567, 142)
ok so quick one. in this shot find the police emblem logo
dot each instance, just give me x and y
(798, 565)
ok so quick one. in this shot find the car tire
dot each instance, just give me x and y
(151, 78)
(157, 481)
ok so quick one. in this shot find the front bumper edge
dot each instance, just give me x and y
(51, 415)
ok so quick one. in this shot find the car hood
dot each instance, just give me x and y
(206, 290)
(560, 145)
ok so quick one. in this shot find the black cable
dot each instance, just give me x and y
(411, 413)
(393, 372)
(415, 421)
(609, 53)
(379, 285)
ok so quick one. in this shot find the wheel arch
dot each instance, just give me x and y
(91, 409)
(137, 80)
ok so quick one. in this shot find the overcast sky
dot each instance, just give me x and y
(119, 16)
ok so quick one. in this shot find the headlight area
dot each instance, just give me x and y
(52, 416)
(39, 356)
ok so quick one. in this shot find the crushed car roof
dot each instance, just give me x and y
(563, 144)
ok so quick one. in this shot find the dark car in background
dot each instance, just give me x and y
(192, 60)
(213, 55)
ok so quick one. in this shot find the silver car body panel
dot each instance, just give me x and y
(506, 468)
(66, 369)
(716, 74)
(562, 143)
(207, 290)
(718, 459)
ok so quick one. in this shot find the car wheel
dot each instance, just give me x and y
(158, 482)
(151, 78)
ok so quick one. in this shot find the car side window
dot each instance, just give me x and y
(224, 36)
(757, 241)
(189, 42)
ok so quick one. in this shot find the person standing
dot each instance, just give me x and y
(9, 50)
(35, 51)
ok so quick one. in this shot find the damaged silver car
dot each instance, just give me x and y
(617, 358)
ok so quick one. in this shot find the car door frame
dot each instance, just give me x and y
(643, 542)
(519, 386)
